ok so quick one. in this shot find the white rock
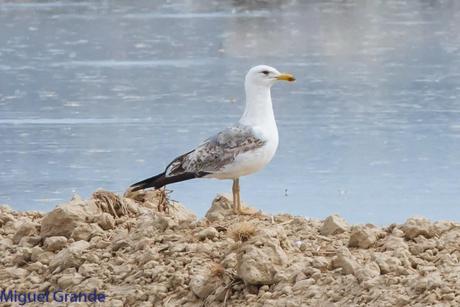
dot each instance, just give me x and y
(69, 280)
(203, 284)
(303, 284)
(5, 244)
(91, 283)
(320, 263)
(427, 283)
(66, 217)
(36, 251)
(333, 224)
(260, 258)
(106, 221)
(387, 263)
(45, 257)
(5, 217)
(16, 273)
(393, 243)
(86, 231)
(345, 260)
(367, 272)
(220, 208)
(88, 269)
(362, 236)
(26, 228)
(208, 233)
(55, 243)
(71, 256)
(181, 214)
(414, 227)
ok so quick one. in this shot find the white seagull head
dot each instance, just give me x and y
(263, 75)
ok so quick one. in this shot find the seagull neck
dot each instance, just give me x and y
(259, 109)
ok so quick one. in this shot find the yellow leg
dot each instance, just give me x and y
(238, 200)
(236, 191)
(237, 207)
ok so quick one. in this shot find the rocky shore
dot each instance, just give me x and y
(137, 255)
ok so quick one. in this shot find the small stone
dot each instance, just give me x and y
(26, 228)
(332, 225)
(203, 284)
(106, 221)
(91, 283)
(36, 252)
(362, 237)
(221, 207)
(345, 260)
(55, 243)
(260, 259)
(393, 243)
(86, 231)
(208, 233)
(414, 227)
(320, 263)
(88, 269)
(72, 256)
(426, 283)
(303, 285)
(66, 217)
(69, 280)
(17, 273)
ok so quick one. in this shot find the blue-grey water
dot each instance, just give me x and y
(100, 94)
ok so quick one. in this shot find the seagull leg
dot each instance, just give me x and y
(238, 201)
(239, 208)
(235, 187)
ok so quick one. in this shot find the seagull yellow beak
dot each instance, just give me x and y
(286, 77)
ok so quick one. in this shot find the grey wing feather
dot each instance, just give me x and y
(216, 152)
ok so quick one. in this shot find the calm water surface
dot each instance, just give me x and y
(100, 94)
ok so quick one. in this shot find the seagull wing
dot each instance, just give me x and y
(215, 153)
(209, 157)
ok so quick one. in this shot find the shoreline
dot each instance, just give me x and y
(127, 250)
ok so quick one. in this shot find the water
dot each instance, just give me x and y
(104, 93)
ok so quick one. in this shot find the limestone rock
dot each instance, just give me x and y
(414, 227)
(367, 272)
(55, 243)
(68, 280)
(346, 261)
(5, 217)
(203, 283)
(387, 263)
(26, 228)
(426, 283)
(362, 237)
(393, 243)
(71, 256)
(207, 233)
(66, 217)
(259, 259)
(220, 208)
(86, 231)
(332, 225)
(106, 221)
(91, 283)
(88, 269)
(17, 273)
(181, 214)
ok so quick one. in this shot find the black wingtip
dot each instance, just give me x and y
(152, 182)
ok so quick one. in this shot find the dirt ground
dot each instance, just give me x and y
(138, 255)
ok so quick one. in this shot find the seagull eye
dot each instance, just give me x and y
(265, 72)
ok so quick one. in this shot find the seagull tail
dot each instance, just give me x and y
(161, 180)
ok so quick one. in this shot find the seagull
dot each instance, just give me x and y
(239, 150)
